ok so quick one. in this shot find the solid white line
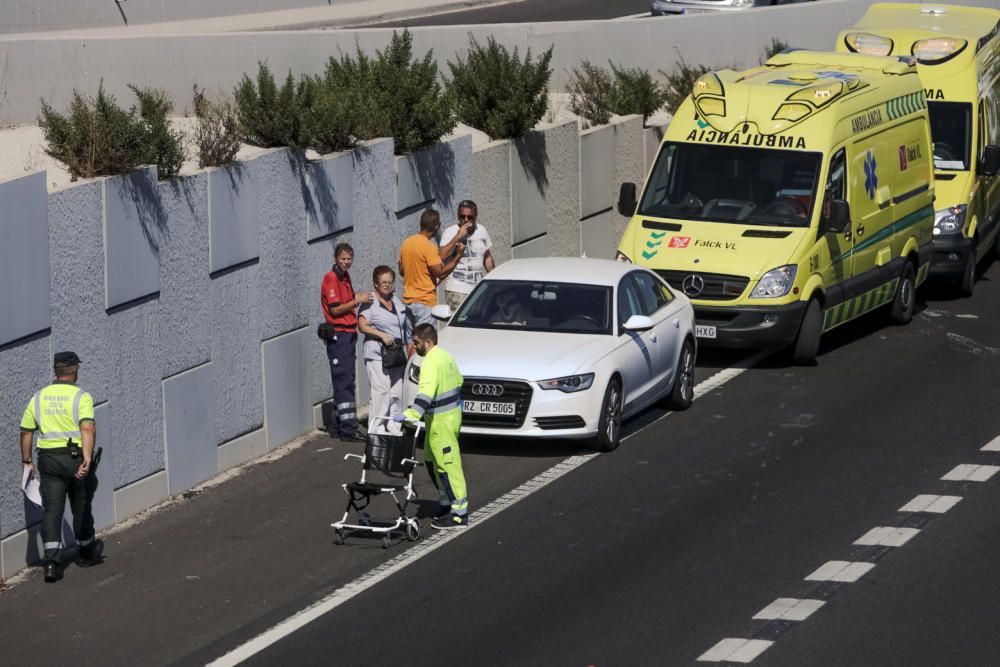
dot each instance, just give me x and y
(788, 609)
(424, 547)
(931, 503)
(886, 536)
(970, 472)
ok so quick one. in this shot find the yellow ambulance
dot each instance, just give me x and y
(958, 59)
(790, 198)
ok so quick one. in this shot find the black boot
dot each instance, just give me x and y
(51, 572)
(91, 554)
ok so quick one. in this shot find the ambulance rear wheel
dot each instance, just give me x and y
(906, 296)
(968, 282)
(807, 344)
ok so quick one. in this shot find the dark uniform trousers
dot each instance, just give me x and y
(57, 484)
(342, 353)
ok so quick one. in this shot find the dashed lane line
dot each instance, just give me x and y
(887, 536)
(991, 446)
(970, 472)
(427, 546)
(788, 609)
(931, 503)
(734, 649)
(843, 571)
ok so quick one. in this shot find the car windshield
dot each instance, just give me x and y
(729, 184)
(951, 131)
(537, 306)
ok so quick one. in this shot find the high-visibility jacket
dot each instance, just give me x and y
(56, 413)
(440, 388)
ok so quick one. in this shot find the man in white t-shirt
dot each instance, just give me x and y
(476, 260)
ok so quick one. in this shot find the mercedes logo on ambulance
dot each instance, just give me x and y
(693, 284)
(487, 389)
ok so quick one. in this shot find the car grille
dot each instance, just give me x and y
(513, 390)
(561, 422)
(718, 286)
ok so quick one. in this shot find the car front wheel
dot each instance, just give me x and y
(609, 426)
(682, 393)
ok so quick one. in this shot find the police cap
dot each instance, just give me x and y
(65, 360)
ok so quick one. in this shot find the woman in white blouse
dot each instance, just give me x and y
(383, 324)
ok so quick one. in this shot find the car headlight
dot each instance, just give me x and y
(776, 282)
(570, 383)
(413, 374)
(950, 220)
(622, 257)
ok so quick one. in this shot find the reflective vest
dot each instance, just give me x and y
(56, 412)
(440, 389)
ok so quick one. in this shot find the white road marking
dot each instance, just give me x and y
(967, 316)
(426, 546)
(789, 609)
(970, 472)
(325, 449)
(886, 536)
(992, 446)
(735, 649)
(931, 503)
(841, 570)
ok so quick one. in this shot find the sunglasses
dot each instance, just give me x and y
(466, 217)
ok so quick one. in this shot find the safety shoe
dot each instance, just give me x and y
(443, 511)
(450, 521)
(51, 572)
(91, 556)
(354, 437)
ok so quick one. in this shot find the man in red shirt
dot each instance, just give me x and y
(340, 305)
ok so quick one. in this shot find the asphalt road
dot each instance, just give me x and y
(650, 555)
(531, 11)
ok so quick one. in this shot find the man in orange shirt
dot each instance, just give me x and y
(422, 268)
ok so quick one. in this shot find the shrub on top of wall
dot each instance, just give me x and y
(774, 48)
(96, 137)
(498, 93)
(400, 97)
(270, 116)
(217, 133)
(596, 94)
(680, 82)
(334, 114)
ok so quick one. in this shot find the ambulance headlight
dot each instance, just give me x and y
(776, 282)
(868, 44)
(937, 50)
(949, 220)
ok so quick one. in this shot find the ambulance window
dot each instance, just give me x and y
(836, 182)
(951, 131)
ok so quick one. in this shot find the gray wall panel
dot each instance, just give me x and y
(597, 169)
(286, 387)
(234, 215)
(562, 196)
(104, 498)
(598, 236)
(491, 192)
(630, 166)
(24, 369)
(185, 315)
(189, 429)
(134, 227)
(24, 257)
(235, 347)
(328, 193)
(652, 136)
(529, 184)
(79, 322)
(134, 395)
(535, 248)
(439, 177)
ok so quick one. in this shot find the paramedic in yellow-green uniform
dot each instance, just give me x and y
(439, 404)
(63, 416)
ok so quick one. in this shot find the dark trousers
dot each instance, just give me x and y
(342, 351)
(58, 482)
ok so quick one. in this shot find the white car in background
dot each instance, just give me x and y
(567, 348)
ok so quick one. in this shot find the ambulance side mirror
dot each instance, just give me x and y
(990, 164)
(627, 200)
(840, 217)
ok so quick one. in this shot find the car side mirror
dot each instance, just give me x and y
(442, 312)
(990, 164)
(840, 217)
(638, 323)
(627, 199)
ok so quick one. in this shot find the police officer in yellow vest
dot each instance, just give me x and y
(439, 404)
(63, 416)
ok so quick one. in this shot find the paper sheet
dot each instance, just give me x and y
(31, 487)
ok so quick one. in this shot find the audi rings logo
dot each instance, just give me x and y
(693, 284)
(487, 390)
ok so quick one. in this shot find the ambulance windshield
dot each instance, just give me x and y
(951, 131)
(729, 184)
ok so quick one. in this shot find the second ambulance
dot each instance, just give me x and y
(791, 198)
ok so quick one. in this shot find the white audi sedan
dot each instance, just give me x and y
(567, 348)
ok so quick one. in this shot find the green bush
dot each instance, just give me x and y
(596, 94)
(332, 117)
(162, 145)
(96, 137)
(270, 116)
(398, 96)
(774, 48)
(680, 82)
(217, 133)
(498, 93)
